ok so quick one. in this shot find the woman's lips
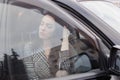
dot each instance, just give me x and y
(42, 33)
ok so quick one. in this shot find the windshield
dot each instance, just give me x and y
(108, 12)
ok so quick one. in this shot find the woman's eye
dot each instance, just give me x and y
(50, 26)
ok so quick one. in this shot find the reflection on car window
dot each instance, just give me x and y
(43, 45)
(105, 14)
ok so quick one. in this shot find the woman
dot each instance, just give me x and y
(46, 59)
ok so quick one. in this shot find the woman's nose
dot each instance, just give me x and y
(43, 27)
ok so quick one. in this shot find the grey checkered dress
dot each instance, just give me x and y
(39, 67)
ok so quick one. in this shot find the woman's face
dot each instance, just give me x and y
(47, 27)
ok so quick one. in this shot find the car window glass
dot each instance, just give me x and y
(2, 31)
(42, 45)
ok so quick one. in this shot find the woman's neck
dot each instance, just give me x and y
(46, 44)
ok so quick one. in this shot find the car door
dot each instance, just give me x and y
(25, 59)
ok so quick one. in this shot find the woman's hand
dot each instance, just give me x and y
(65, 41)
(61, 73)
(66, 33)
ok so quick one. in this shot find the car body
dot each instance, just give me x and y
(94, 43)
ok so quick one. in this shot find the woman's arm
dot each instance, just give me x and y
(65, 41)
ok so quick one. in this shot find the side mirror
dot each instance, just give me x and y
(114, 60)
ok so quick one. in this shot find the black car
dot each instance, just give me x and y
(59, 40)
